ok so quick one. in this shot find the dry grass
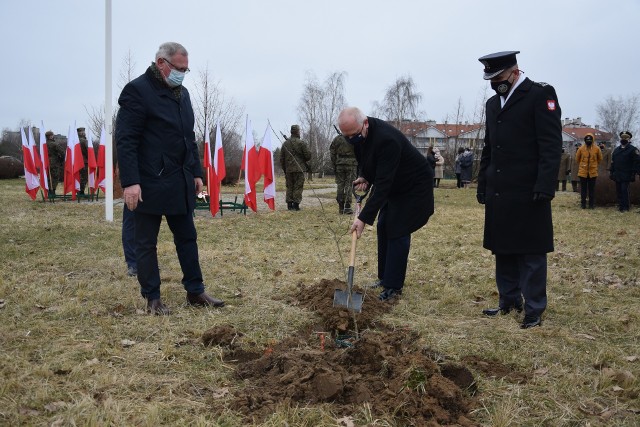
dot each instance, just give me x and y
(68, 306)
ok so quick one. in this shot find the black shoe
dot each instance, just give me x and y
(530, 322)
(296, 206)
(289, 206)
(203, 300)
(155, 306)
(376, 284)
(501, 310)
(347, 209)
(389, 293)
(132, 271)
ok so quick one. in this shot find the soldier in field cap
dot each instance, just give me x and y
(516, 182)
(294, 158)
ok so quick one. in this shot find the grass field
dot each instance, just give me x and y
(77, 349)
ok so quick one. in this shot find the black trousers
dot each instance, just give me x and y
(622, 193)
(587, 190)
(519, 276)
(129, 237)
(393, 254)
(184, 238)
(458, 180)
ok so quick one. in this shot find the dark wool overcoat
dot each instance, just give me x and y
(401, 178)
(521, 156)
(156, 146)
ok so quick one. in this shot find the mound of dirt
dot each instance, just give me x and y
(383, 367)
(386, 370)
(319, 299)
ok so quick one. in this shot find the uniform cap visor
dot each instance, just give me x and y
(489, 76)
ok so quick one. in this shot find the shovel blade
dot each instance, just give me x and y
(352, 302)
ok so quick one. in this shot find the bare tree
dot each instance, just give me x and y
(617, 115)
(317, 110)
(211, 105)
(127, 70)
(401, 101)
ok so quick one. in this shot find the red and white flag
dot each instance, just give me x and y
(44, 159)
(101, 183)
(218, 155)
(73, 163)
(32, 183)
(92, 165)
(213, 186)
(265, 157)
(251, 168)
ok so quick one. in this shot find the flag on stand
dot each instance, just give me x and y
(213, 186)
(265, 157)
(101, 183)
(251, 168)
(218, 155)
(45, 165)
(91, 165)
(73, 163)
(30, 173)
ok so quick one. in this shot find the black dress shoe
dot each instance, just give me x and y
(155, 306)
(204, 300)
(502, 310)
(389, 293)
(531, 321)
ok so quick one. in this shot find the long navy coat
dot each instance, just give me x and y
(400, 176)
(156, 146)
(521, 156)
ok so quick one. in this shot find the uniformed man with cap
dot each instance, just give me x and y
(294, 158)
(625, 164)
(56, 161)
(516, 182)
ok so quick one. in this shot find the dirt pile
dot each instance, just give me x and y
(386, 368)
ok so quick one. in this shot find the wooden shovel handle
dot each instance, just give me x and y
(352, 255)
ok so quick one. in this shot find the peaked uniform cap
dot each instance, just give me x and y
(495, 63)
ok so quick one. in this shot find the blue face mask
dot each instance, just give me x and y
(175, 78)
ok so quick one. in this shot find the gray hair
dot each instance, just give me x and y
(168, 49)
(354, 112)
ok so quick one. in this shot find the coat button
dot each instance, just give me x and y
(498, 146)
(499, 121)
(498, 170)
(497, 194)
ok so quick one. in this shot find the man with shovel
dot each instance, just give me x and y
(401, 197)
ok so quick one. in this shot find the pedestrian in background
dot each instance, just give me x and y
(565, 169)
(439, 168)
(575, 179)
(458, 168)
(625, 164)
(588, 157)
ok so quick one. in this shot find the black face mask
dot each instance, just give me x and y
(624, 141)
(502, 88)
(356, 139)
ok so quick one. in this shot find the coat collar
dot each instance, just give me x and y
(516, 96)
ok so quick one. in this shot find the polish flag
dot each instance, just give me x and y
(92, 165)
(218, 155)
(101, 183)
(32, 183)
(213, 185)
(44, 158)
(34, 150)
(251, 168)
(73, 163)
(265, 157)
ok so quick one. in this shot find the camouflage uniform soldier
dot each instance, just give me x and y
(345, 167)
(293, 159)
(56, 161)
(84, 176)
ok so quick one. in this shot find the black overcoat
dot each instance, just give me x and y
(401, 178)
(521, 156)
(625, 163)
(156, 146)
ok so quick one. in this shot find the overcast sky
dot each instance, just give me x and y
(261, 51)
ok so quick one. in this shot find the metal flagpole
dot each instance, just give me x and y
(108, 112)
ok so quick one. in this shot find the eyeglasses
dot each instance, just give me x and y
(355, 134)
(182, 70)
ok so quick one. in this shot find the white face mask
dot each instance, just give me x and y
(175, 78)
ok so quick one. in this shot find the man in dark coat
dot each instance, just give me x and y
(402, 193)
(160, 171)
(625, 164)
(516, 182)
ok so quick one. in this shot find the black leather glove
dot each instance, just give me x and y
(541, 197)
(480, 197)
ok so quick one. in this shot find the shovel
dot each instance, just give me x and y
(349, 299)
